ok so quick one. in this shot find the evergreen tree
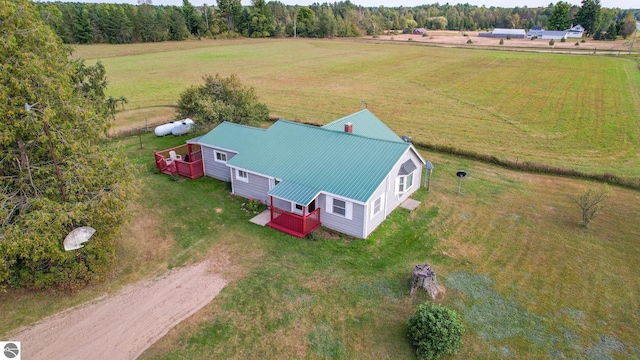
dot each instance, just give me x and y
(230, 12)
(561, 17)
(589, 16)
(192, 18)
(261, 19)
(54, 106)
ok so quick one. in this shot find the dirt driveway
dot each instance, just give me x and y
(123, 325)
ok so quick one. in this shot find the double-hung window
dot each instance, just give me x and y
(242, 175)
(377, 206)
(339, 207)
(220, 156)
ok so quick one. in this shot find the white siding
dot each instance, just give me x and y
(353, 227)
(256, 188)
(213, 168)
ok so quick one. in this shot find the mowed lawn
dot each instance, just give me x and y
(528, 281)
(571, 111)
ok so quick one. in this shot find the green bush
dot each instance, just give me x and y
(508, 37)
(469, 41)
(552, 42)
(435, 330)
(253, 206)
(563, 40)
(501, 41)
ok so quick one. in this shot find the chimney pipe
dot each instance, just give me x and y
(348, 127)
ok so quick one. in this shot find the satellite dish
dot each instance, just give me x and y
(406, 139)
(429, 165)
(77, 237)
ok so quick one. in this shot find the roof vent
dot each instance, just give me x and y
(406, 139)
(348, 127)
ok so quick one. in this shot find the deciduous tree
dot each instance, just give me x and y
(222, 99)
(591, 202)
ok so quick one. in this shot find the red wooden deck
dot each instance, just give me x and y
(190, 164)
(294, 224)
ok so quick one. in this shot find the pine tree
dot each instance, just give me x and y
(54, 106)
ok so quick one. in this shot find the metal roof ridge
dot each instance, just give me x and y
(350, 115)
(241, 125)
(343, 132)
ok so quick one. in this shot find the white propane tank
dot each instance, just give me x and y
(165, 129)
(182, 127)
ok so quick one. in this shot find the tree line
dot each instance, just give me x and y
(81, 23)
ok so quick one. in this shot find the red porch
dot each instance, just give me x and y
(294, 224)
(184, 160)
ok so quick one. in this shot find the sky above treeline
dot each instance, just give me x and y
(623, 4)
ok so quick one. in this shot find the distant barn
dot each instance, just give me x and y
(505, 33)
(538, 33)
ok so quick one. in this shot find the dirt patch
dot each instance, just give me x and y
(457, 38)
(123, 325)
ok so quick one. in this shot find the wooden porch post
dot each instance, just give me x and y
(271, 206)
(304, 220)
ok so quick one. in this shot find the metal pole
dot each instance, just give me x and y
(55, 163)
(459, 184)
(140, 137)
(429, 183)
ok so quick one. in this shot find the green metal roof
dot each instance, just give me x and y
(232, 136)
(315, 158)
(297, 193)
(365, 124)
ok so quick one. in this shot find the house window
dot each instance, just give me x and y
(403, 184)
(339, 207)
(377, 206)
(220, 156)
(242, 175)
(297, 208)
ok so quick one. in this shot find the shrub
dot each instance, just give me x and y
(222, 99)
(501, 41)
(253, 206)
(552, 42)
(228, 35)
(424, 35)
(577, 43)
(563, 40)
(508, 37)
(469, 41)
(583, 41)
(435, 330)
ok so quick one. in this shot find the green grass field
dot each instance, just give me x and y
(571, 111)
(528, 281)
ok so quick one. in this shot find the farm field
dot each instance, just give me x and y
(572, 111)
(528, 281)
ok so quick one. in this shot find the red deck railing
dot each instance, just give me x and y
(294, 224)
(189, 165)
